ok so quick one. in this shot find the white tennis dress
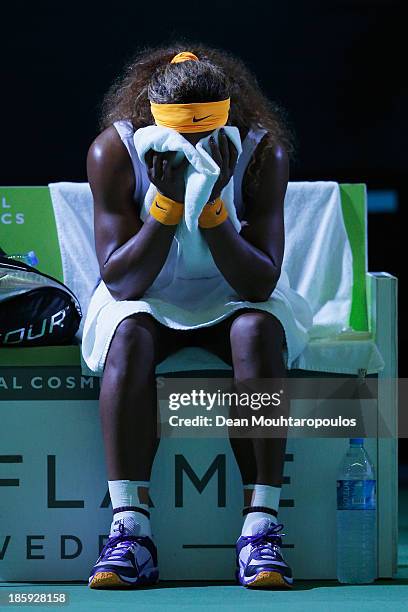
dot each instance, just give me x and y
(182, 303)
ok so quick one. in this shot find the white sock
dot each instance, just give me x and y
(263, 496)
(123, 494)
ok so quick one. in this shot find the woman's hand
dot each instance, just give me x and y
(167, 178)
(225, 155)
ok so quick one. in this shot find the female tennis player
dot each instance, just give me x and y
(137, 316)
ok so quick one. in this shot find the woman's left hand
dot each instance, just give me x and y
(225, 155)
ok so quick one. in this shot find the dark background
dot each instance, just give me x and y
(338, 68)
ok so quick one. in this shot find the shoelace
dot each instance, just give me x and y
(260, 541)
(122, 541)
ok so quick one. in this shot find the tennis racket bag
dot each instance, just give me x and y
(35, 309)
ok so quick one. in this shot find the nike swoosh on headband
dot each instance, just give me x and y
(200, 119)
(161, 208)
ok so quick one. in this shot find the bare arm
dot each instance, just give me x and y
(130, 253)
(251, 261)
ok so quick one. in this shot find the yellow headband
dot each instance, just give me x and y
(193, 117)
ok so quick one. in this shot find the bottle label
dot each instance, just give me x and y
(356, 494)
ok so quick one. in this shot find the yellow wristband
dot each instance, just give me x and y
(165, 210)
(213, 214)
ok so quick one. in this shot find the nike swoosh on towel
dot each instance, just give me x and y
(200, 119)
(161, 208)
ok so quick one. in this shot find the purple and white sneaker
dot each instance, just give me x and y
(259, 558)
(127, 560)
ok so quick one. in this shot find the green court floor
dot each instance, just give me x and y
(325, 596)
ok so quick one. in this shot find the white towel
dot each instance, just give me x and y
(73, 210)
(317, 263)
(194, 259)
(318, 257)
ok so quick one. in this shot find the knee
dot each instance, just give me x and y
(133, 344)
(256, 332)
(257, 340)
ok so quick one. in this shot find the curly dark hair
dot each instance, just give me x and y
(149, 76)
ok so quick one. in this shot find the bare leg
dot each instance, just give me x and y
(252, 341)
(256, 343)
(128, 399)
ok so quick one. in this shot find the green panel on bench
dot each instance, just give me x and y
(68, 355)
(27, 223)
(354, 205)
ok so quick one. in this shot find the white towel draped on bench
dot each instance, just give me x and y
(312, 298)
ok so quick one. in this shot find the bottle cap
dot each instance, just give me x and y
(356, 441)
(33, 259)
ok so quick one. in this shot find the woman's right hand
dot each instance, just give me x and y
(168, 179)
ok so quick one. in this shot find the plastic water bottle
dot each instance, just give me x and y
(29, 258)
(356, 517)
